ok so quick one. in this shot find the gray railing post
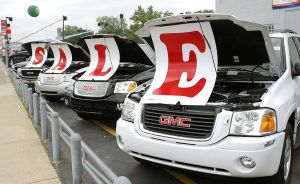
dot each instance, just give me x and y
(55, 136)
(122, 180)
(23, 91)
(26, 95)
(43, 112)
(30, 103)
(76, 158)
(35, 101)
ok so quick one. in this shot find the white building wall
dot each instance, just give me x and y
(260, 11)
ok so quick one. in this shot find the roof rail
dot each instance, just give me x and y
(285, 31)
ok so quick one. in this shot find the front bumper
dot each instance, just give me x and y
(221, 158)
(50, 89)
(96, 106)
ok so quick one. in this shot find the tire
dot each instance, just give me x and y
(85, 116)
(283, 176)
(52, 98)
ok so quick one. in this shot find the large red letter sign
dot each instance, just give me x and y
(62, 57)
(185, 65)
(105, 58)
(62, 61)
(39, 55)
(174, 43)
(101, 61)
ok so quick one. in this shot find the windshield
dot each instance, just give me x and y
(278, 46)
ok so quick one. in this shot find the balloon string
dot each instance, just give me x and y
(39, 30)
(24, 27)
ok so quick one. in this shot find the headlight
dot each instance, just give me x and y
(128, 112)
(254, 122)
(125, 87)
(70, 86)
(68, 77)
(39, 77)
(19, 71)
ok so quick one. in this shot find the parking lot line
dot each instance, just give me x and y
(106, 128)
(181, 177)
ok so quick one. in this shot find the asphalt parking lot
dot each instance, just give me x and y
(99, 135)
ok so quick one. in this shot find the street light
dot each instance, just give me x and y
(121, 18)
(9, 18)
(63, 28)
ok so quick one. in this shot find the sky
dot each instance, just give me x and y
(82, 13)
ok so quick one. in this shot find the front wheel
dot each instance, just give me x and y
(283, 176)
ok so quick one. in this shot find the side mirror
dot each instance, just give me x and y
(296, 70)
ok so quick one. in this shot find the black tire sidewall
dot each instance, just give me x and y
(278, 178)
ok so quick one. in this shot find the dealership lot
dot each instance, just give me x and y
(98, 134)
(207, 98)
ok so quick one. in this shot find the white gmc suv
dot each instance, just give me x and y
(224, 100)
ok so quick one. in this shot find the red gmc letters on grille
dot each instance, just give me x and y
(89, 88)
(168, 120)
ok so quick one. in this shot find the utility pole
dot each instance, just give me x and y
(7, 41)
(63, 28)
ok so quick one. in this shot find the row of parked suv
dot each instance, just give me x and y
(206, 92)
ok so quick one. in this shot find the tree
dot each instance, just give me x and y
(205, 11)
(141, 16)
(112, 25)
(69, 30)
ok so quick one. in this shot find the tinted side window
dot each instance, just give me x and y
(293, 52)
(278, 46)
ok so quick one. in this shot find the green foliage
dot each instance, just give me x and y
(112, 25)
(205, 11)
(69, 30)
(141, 16)
(117, 26)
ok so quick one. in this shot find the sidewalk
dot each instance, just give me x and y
(23, 159)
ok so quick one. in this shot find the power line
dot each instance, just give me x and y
(39, 30)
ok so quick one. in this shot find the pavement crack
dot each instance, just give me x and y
(15, 142)
(43, 180)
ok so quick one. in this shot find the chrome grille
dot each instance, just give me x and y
(30, 72)
(52, 78)
(91, 89)
(202, 120)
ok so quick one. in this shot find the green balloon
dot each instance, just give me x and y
(33, 11)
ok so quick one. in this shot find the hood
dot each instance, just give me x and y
(190, 48)
(21, 64)
(38, 53)
(107, 52)
(238, 42)
(64, 55)
(128, 49)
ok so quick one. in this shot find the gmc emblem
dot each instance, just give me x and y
(50, 78)
(29, 73)
(89, 88)
(180, 122)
